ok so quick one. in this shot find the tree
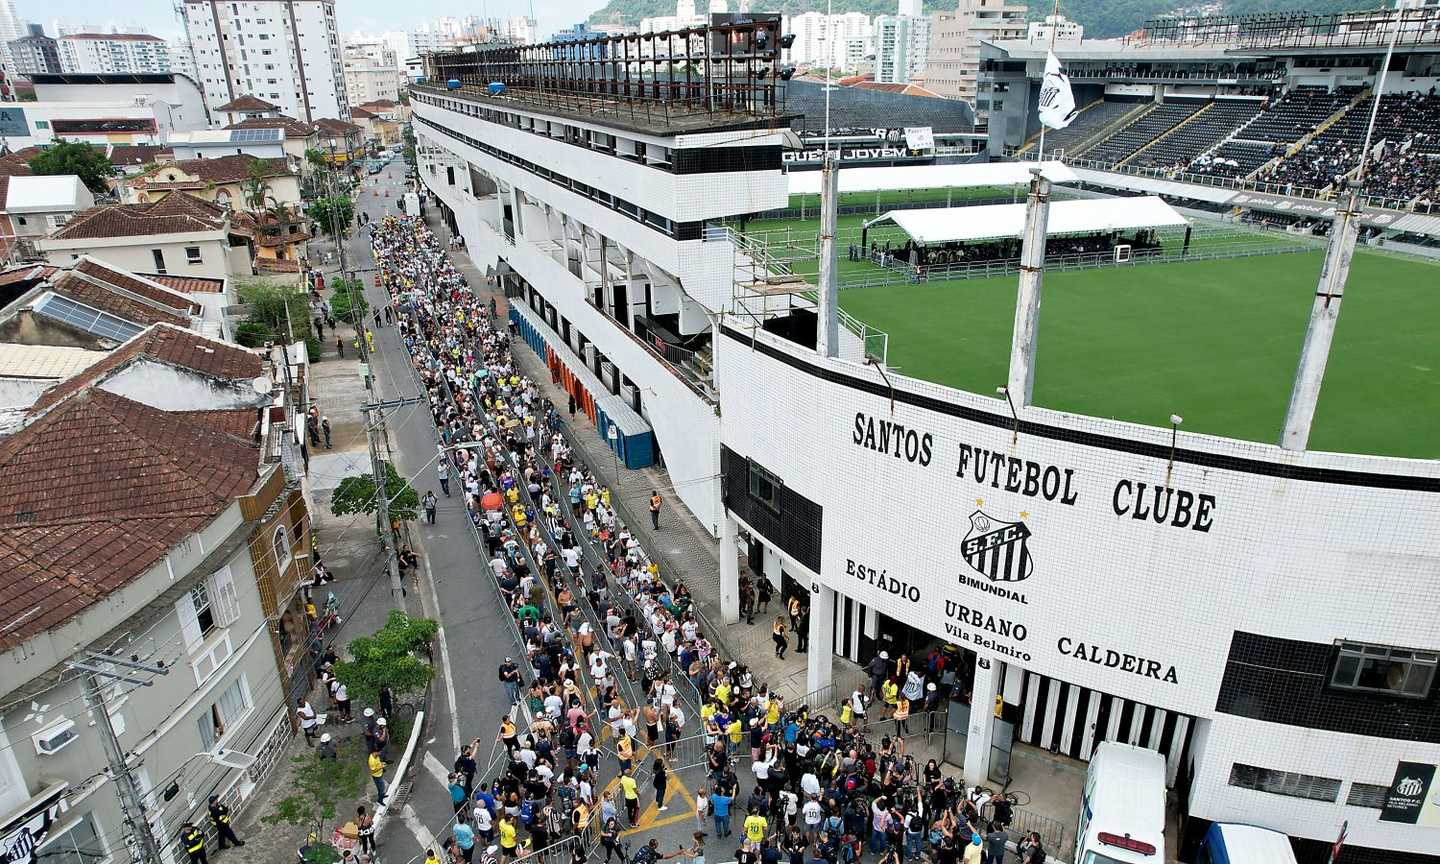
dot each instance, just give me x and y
(276, 307)
(317, 790)
(356, 494)
(256, 185)
(347, 300)
(390, 658)
(88, 163)
(332, 213)
(317, 158)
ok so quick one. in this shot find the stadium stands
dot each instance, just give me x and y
(1199, 135)
(1086, 125)
(1296, 114)
(1124, 142)
(1234, 159)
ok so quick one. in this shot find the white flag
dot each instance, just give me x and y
(1057, 103)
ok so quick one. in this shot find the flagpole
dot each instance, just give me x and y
(1040, 154)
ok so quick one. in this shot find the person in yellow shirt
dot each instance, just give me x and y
(507, 838)
(632, 797)
(431, 857)
(605, 496)
(722, 692)
(772, 711)
(736, 732)
(518, 513)
(625, 751)
(890, 692)
(755, 826)
(377, 773)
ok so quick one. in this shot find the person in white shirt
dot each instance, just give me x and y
(813, 814)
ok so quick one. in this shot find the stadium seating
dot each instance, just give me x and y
(1199, 135)
(1234, 159)
(1132, 137)
(1297, 114)
(1086, 125)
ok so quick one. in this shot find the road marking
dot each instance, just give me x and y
(422, 834)
(685, 807)
(444, 645)
(437, 769)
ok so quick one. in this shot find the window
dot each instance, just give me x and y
(81, 843)
(159, 256)
(1370, 795)
(764, 487)
(1381, 669)
(282, 548)
(1285, 783)
(208, 606)
(224, 714)
(192, 255)
(42, 124)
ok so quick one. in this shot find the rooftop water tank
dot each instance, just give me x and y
(452, 84)
(496, 88)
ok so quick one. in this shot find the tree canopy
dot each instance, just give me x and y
(332, 214)
(356, 494)
(347, 300)
(88, 163)
(391, 657)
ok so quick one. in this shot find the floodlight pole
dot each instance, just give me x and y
(1324, 315)
(828, 305)
(1021, 383)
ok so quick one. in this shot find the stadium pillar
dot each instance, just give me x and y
(828, 327)
(1324, 315)
(981, 732)
(819, 657)
(1027, 299)
(729, 572)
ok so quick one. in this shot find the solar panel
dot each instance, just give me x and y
(252, 136)
(90, 320)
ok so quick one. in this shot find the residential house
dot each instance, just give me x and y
(214, 143)
(182, 558)
(179, 234)
(389, 109)
(225, 180)
(378, 130)
(243, 108)
(342, 143)
(131, 159)
(31, 207)
(298, 137)
(95, 306)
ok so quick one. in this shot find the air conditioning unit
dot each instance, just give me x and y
(55, 737)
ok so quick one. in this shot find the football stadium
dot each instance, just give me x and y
(1167, 479)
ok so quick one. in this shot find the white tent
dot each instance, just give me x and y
(905, 177)
(995, 221)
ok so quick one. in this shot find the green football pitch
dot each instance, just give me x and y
(1215, 341)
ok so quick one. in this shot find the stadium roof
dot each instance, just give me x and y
(1156, 186)
(891, 178)
(996, 221)
(852, 108)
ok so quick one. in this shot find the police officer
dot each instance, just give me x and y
(220, 818)
(194, 843)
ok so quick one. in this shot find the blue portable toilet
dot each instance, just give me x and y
(452, 84)
(496, 87)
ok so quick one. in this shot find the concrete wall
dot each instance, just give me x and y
(1291, 546)
(217, 258)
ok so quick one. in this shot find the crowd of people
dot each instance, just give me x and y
(613, 653)
(932, 260)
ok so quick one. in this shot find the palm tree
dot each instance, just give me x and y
(255, 187)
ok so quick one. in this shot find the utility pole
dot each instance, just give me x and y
(382, 494)
(132, 807)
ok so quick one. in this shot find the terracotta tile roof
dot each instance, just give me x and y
(172, 346)
(187, 284)
(137, 154)
(176, 213)
(106, 299)
(130, 283)
(225, 169)
(362, 114)
(293, 128)
(333, 127)
(26, 273)
(97, 491)
(381, 103)
(17, 164)
(246, 103)
(274, 265)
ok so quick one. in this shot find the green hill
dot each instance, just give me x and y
(1102, 18)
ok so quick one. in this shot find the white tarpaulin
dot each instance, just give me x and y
(902, 177)
(994, 221)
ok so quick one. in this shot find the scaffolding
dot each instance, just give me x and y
(1371, 28)
(723, 74)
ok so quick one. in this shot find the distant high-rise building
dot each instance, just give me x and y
(35, 53)
(1059, 27)
(113, 53)
(902, 44)
(11, 28)
(954, 59)
(832, 40)
(182, 60)
(912, 8)
(371, 72)
(286, 53)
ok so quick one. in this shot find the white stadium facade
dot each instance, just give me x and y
(1205, 597)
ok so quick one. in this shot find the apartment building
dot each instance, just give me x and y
(35, 53)
(832, 40)
(954, 59)
(372, 72)
(284, 51)
(902, 45)
(113, 53)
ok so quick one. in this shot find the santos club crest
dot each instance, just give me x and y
(999, 551)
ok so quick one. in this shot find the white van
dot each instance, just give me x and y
(1227, 843)
(1122, 815)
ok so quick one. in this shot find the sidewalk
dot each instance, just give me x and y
(683, 546)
